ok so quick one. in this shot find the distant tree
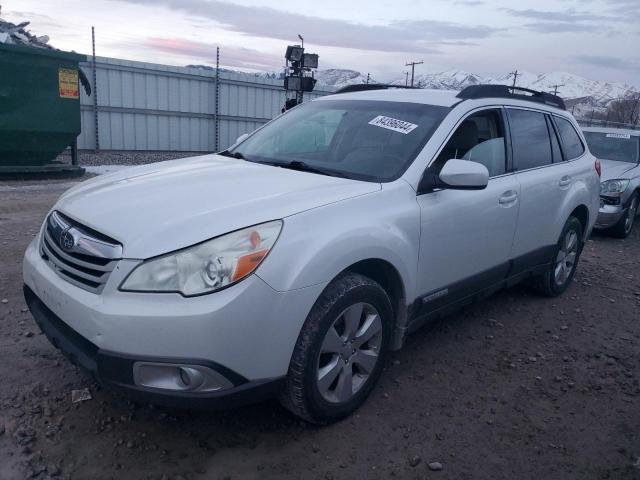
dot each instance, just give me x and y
(626, 110)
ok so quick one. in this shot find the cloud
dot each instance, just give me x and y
(470, 3)
(229, 55)
(558, 27)
(616, 63)
(562, 16)
(571, 20)
(411, 36)
(42, 21)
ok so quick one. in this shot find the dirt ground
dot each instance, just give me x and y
(515, 387)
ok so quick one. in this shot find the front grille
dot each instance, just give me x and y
(77, 253)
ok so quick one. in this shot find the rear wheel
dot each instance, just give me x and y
(341, 350)
(564, 261)
(623, 228)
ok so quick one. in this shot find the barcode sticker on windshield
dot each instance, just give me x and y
(619, 135)
(393, 124)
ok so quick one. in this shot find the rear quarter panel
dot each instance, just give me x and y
(585, 189)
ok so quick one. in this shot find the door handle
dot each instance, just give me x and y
(508, 198)
(565, 181)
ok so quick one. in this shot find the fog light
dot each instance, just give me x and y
(177, 377)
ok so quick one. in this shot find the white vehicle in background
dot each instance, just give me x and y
(290, 264)
(619, 153)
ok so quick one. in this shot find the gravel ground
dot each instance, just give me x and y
(515, 387)
(108, 157)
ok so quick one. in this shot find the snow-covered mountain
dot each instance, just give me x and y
(447, 80)
(574, 86)
(338, 77)
(578, 92)
(570, 86)
(332, 77)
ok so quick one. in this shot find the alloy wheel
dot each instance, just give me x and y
(349, 352)
(566, 258)
(631, 215)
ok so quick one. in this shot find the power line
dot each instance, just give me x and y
(413, 68)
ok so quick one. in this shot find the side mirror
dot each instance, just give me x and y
(456, 175)
(241, 138)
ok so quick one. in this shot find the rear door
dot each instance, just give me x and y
(545, 181)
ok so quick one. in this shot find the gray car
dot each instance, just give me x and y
(619, 154)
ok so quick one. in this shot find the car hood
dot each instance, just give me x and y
(161, 207)
(614, 170)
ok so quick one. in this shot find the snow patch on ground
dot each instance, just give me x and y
(102, 169)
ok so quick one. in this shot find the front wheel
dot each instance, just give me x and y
(341, 350)
(624, 226)
(564, 261)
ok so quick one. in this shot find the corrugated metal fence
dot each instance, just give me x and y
(144, 106)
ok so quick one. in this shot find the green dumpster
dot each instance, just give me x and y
(39, 105)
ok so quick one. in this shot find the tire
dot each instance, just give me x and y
(327, 348)
(558, 276)
(623, 228)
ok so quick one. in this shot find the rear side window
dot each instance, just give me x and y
(571, 142)
(555, 144)
(530, 139)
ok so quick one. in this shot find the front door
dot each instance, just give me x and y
(467, 235)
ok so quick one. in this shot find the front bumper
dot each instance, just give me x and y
(245, 333)
(608, 216)
(115, 371)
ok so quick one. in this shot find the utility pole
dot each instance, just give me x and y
(406, 79)
(413, 68)
(556, 88)
(217, 111)
(515, 74)
(300, 93)
(95, 88)
(368, 78)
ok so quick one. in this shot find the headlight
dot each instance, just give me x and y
(613, 187)
(208, 266)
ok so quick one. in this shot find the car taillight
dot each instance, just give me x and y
(598, 168)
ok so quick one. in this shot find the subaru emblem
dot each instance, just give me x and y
(66, 240)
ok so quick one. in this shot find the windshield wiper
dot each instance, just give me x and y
(303, 167)
(227, 153)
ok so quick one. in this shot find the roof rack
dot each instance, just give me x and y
(505, 91)
(363, 87)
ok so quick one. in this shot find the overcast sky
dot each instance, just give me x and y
(598, 39)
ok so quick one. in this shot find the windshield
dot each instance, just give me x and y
(365, 140)
(613, 146)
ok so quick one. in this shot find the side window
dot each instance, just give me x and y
(555, 144)
(479, 138)
(573, 146)
(530, 139)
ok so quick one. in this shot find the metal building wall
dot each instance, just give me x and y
(145, 106)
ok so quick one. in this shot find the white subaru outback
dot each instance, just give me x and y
(293, 262)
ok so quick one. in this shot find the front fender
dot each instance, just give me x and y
(316, 245)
